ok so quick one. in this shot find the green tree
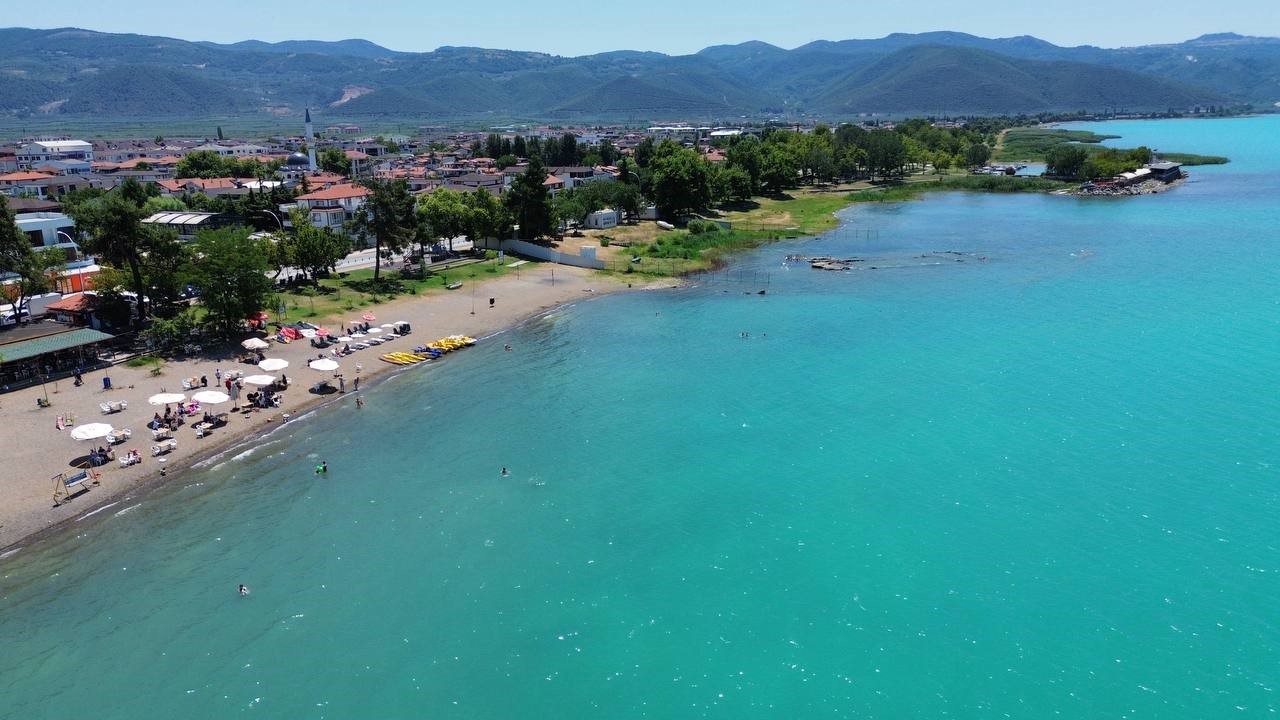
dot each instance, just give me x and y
(779, 168)
(312, 249)
(644, 152)
(529, 203)
(941, 161)
(443, 214)
(1066, 161)
(886, 154)
(387, 218)
(231, 272)
(746, 155)
(334, 160)
(19, 258)
(116, 233)
(202, 164)
(681, 180)
(487, 217)
(977, 155)
(506, 161)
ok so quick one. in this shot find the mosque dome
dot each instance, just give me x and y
(297, 160)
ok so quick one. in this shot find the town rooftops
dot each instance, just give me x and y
(337, 192)
(24, 176)
(78, 303)
(63, 144)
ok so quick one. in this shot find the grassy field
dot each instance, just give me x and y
(338, 297)
(1030, 144)
(798, 214)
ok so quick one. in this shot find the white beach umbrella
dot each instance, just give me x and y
(255, 344)
(211, 397)
(375, 330)
(165, 398)
(273, 364)
(260, 379)
(91, 431)
(323, 365)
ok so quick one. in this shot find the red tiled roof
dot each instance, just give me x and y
(73, 303)
(21, 176)
(337, 192)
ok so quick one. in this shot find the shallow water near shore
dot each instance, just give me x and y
(1026, 467)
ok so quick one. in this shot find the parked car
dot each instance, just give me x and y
(9, 317)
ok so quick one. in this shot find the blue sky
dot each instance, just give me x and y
(578, 27)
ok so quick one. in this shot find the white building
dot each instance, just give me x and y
(333, 206)
(41, 151)
(603, 219)
(53, 229)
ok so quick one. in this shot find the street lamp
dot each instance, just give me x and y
(274, 217)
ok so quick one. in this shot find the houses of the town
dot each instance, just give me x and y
(41, 151)
(332, 207)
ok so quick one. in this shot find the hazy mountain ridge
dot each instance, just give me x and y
(69, 71)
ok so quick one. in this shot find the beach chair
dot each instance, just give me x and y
(163, 433)
(106, 408)
(119, 436)
(164, 448)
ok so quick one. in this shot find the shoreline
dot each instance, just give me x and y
(26, 515)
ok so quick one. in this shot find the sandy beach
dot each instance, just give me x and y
(36, 451)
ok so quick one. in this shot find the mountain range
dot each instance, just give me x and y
(82, 73)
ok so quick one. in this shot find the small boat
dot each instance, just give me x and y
(453, 285)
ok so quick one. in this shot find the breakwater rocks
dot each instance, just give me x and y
(1146, 187)
(935, 257)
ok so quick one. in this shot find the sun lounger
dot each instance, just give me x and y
(360, 346)
(164, 448)
(113, 407)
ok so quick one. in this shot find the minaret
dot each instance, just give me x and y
(311, 143)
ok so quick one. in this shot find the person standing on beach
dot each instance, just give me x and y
(355, 384)
(217, 373)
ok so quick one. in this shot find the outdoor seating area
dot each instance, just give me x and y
(164, 448)
(119, 436)
(115, 406)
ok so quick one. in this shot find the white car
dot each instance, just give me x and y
(9, 318)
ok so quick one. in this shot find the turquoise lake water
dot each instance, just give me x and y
(1046, 484)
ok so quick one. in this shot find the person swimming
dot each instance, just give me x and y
(244, 591)
(504, 472)
(322, 468)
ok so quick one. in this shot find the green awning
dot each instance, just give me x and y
(35, 347)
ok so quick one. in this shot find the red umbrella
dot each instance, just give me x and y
(322, 332)
(368, 317)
